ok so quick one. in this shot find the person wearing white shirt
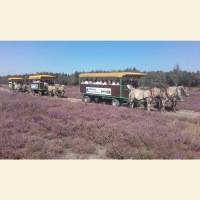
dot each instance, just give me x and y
(86, 81)
(104, 83)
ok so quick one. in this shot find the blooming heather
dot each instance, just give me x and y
(33, 127)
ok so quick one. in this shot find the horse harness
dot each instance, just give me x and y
(176, 94)
(152, 94)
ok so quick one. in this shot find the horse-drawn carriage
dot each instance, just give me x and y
(16, 84)
(45, 85)
(99, 86)
(108, 86)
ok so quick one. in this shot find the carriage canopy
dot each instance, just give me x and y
(15, 79)
(112, 74)
(38, 77)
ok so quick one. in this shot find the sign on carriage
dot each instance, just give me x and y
(104, 91)
(34, 86)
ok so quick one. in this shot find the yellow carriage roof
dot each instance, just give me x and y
(15, 79)
(41, 76)
(113, 74)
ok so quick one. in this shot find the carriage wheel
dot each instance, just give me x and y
(115, 103)
(59, 94)
(86, 99)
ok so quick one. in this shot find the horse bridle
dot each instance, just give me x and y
(183, 91)
(152, 93)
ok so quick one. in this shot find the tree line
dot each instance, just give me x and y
(153, 78)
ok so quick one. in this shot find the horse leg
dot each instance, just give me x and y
(130, 104)
(148, 102)
(175, 109)
(163, 105)
(148, 105)
(160, 105)
(173, 105)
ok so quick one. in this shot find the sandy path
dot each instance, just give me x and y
(184, 113)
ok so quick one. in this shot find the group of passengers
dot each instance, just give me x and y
(16, 82)
(100, 82)
(46, 82)
(35, 81)
(15, 85)
(129, 83)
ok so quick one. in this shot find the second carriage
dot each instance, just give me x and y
(45, 85)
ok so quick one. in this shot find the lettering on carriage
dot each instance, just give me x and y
(34, 86)
(104, 91)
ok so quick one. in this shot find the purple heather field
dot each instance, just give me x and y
(33, 127)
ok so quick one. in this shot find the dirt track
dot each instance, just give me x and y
(180, 113)
(3, 89)
(184, 113)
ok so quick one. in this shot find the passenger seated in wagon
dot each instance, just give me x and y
(94, 82)
(35, 81)
(104, 83)
(86, 81)
(97, 82)
(115, 82)
(110, 82)
(90, 81)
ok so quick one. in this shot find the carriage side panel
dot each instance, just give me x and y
(125, 91)
(110, 90)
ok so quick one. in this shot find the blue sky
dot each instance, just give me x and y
(20, 57)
